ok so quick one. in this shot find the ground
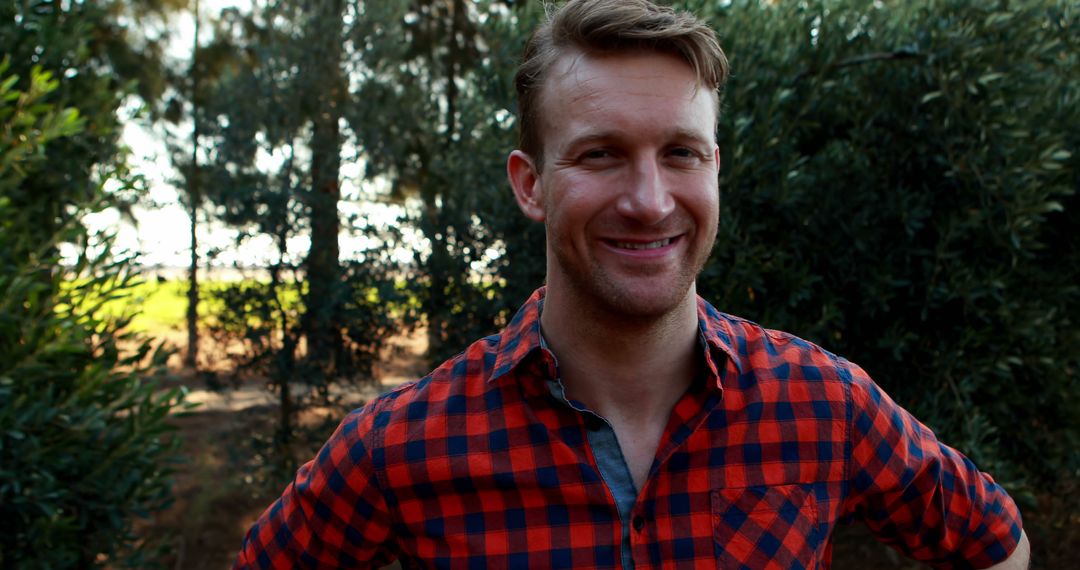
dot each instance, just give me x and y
(226, 479)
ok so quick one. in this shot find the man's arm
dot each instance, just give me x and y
(922, 496)
(1019, 559)
(333, 514)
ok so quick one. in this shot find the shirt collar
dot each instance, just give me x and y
(521, 338)
(715, 328)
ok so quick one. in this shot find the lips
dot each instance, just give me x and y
(642, 245)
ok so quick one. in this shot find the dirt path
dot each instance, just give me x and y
(226, 480)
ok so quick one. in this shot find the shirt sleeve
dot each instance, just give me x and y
(919, 495)
(332, 515)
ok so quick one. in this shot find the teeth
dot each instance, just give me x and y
(650, 245)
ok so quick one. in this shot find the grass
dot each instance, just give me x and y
(162, 305)
(158, 305)
(154, 305)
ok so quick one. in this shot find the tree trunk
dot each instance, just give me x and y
(440, 267)
(192, 355)
(323, 331)
(191, 358)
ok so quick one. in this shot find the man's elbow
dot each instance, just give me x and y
(1019, 558)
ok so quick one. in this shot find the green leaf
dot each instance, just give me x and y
(990, 77)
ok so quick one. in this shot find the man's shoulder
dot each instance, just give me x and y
(473, 382)
(756, 348)
(467, 374)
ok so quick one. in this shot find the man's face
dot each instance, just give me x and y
(628, 189)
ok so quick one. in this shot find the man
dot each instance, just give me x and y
(620, 420)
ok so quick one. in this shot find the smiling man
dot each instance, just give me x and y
(620, 419)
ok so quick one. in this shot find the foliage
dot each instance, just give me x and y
(275, 164)
(102, 52)
(265, 318)
(84, 444)
(437, 122)
(28, 125)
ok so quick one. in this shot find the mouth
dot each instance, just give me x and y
(642, 245)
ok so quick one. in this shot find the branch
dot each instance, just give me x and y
(858, 60)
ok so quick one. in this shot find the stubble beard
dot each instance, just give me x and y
(604, 293)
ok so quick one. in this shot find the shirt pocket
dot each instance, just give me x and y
(772, 527)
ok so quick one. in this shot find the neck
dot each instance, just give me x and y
(622, 366)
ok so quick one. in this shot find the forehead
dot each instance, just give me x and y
(631, 89)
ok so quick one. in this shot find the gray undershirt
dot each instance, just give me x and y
(609, 459)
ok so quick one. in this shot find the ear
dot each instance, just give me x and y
(525, 180)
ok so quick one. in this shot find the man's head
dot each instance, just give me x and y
(606, 27)
(619, 157)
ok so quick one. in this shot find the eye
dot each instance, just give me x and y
(684, 157)
(599, 157)
(683, 152)
(596, 154)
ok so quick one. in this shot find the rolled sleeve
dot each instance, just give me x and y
(918, 494)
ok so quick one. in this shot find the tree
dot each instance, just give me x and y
(83, 438)
(194, 194)
(274, 170)
(292, 62)
(84, 444)
(437, 123)
(912, 230)
(99, 63)
(324, 78)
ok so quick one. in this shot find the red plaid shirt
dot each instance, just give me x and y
(478, 465)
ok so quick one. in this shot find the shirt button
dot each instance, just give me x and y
(638, 522)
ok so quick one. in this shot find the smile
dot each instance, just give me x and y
(649, 245)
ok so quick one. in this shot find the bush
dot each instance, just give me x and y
(264, 318)
(84, 443)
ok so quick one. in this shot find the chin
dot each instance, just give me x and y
(639, 296)
(634, 304)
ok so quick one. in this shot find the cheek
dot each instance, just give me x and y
(574, 203)
(705, 203)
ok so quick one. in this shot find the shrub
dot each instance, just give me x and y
(84, 443)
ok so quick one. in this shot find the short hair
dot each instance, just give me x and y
(610, 26)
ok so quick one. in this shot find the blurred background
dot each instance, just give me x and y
(224, 224)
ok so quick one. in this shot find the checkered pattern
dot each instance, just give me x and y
(478, 465)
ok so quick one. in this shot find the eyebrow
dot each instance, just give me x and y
(677, 133)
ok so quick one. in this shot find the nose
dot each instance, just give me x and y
(647, 198)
